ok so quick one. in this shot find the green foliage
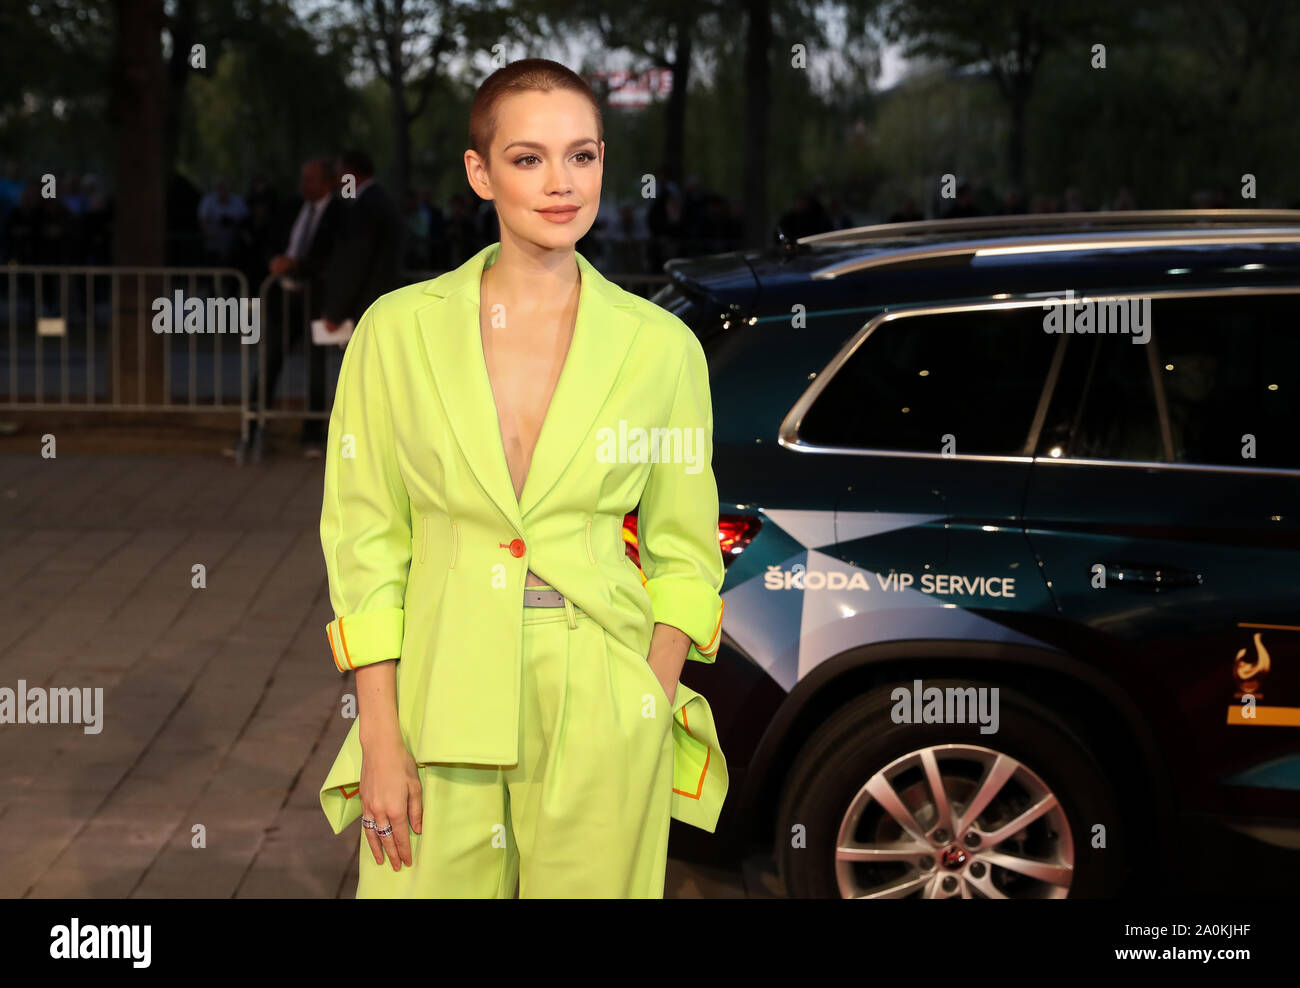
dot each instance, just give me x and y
(266, 104)
(1193, 95)
(53, 105)
(936, 123)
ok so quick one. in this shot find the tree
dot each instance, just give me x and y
(1007, 38)
(403, 41)
(663, 37)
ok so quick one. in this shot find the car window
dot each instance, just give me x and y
(1104, 407)
(1227, 369)
(976, 375)
(1230, 367)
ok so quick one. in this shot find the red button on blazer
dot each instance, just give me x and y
(517, 548)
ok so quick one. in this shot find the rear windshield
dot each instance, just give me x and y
(697, 311)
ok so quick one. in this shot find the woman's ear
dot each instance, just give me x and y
(477, 174)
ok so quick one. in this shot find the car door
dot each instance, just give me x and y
(1164, 503)
(928, 412)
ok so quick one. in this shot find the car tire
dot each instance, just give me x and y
(861, 753)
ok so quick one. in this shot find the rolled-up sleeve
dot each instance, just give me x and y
(677, 521)
(365, 524)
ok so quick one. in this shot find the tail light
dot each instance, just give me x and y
(735, 532)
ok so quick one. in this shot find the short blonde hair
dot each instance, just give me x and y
(525, 75)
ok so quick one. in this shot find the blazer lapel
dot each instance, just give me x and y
(449, 330)
(602, 338)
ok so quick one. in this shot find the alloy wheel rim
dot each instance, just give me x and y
(954, 821)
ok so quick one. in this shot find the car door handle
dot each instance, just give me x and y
(1154, 577)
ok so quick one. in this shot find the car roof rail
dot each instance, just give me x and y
(1061, 222)
(1044, 243)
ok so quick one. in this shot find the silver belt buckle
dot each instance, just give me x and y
(543, 598)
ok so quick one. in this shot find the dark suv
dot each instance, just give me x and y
(1011, 512)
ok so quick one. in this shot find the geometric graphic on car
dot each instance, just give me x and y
(811, 607)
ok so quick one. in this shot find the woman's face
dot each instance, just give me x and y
(544, 155)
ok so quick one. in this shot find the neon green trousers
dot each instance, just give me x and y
(585, 813)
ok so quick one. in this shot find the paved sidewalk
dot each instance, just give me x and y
(221, 705)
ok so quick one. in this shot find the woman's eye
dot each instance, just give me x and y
(532, 157)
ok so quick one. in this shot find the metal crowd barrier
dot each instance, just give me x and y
(105, 334)
(111, 355)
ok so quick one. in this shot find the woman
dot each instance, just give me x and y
(519, 710)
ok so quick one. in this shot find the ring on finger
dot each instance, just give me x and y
(384, 831)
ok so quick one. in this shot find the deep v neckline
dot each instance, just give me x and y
(550, 401)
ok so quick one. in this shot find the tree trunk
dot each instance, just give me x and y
(757, 101)
(401, 138)
(675, 117)
(137, 113)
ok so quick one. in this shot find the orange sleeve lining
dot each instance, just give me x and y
(333, 651)
(712, 647)
(708, 756)
(344, 639)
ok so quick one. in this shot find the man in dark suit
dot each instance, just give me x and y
(311, 241)
(366, 262)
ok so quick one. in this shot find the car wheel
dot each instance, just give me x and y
(877, 809)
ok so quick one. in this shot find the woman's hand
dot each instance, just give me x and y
(668, 683)
(390, 793)
(668, 648)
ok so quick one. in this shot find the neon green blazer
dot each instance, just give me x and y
(426, 547)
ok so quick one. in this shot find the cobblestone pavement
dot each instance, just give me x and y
(221, 705)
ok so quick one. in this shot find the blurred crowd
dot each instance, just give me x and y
(248, 229)
(72, 227)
